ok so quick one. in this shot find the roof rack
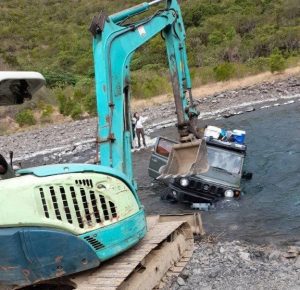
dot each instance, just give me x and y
(226, 145)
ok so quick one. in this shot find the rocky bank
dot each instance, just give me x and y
(238, 265)
(80, 135)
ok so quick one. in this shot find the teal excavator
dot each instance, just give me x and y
(62, 219)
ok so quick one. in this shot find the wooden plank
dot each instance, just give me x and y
(176, 269)
(117, 273)
(187, 254)
(171, 274)
(180, 264)
(94, 287)
(185, 259)
(120, 264)
(104, 282)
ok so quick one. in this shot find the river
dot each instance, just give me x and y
(269, 210)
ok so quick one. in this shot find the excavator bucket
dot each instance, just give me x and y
(186, 159)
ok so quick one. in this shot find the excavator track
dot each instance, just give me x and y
(162, 254)
(165, 250)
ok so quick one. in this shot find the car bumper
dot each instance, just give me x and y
(194, 196)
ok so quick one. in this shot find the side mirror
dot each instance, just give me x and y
(247, 175)
(6, 170)
(3, 165)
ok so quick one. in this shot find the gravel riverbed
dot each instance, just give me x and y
(238, 265)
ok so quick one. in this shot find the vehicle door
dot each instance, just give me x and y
(159, 156)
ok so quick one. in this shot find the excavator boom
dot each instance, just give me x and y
(115, 41)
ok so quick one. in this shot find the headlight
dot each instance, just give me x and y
(229, 193)
(184, 182)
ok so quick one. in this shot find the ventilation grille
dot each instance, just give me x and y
(76, 205)
(204, 187)
(94, 243)
(84, 182)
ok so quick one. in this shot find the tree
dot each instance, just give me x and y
(277, 62)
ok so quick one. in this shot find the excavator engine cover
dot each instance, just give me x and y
(188, 158)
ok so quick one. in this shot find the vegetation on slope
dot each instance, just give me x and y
(225, 39)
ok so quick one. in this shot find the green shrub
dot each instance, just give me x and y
(202, 76)
(260, 26)
(224, 71)
(70, 102)
(149, 83)
(259, 64)
(25, 117)
(76, 112)
(47, 111)
(84, 94)
(216, 37)
(90, 104)
(65, 100)
(277, 62)
(59, 79)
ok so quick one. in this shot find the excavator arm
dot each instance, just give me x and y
(115, 41)
(72, 217)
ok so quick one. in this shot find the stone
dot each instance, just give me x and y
(213, 274)
(294, 249)
(197, 271)
(222, 250)
(180, 281)
(229, 114)
(250, 109)
(274, 255)
(245, 256)
(297, 262)
(290, 255)
(184, 274)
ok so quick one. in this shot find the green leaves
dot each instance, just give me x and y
(25, 117)
(277, 62)
(225, 39)
(224, 71)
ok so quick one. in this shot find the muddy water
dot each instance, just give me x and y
(269, 210)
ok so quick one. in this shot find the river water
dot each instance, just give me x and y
(269, 210)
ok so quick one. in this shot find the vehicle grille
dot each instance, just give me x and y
(205, 187)
(78, 205)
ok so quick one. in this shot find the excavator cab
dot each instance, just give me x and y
(18, 86)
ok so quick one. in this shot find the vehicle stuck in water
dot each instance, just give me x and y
(222, 180)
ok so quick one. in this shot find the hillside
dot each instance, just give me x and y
(225, 39)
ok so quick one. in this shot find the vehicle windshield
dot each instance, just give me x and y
(224, 160)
